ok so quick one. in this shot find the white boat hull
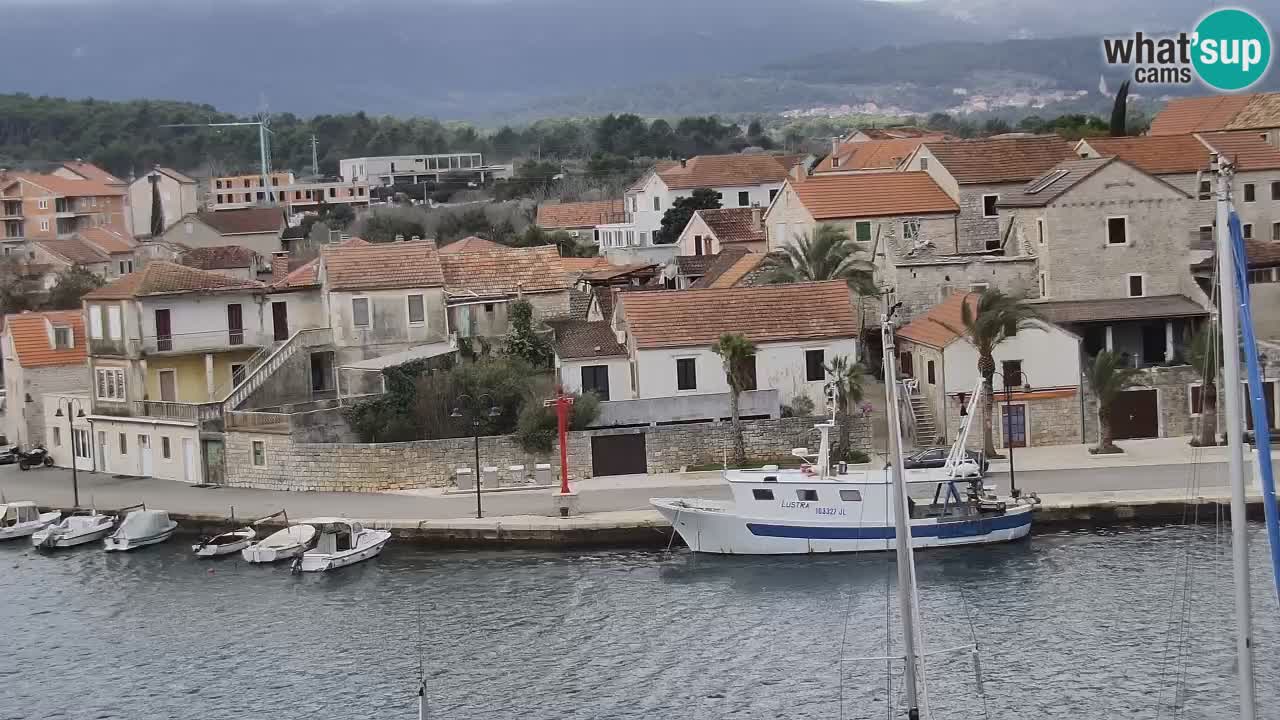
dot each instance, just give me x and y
(313, 561)
(123, 544)
(259, 554)
(714, 527)
(207, 551)
(49, 538)
(27, 529)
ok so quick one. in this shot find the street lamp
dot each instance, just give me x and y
(1009, 380)
(469, 407)
(71, 403)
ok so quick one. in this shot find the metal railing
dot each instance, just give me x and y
(204, 341)
(254, 379)
(195, 412)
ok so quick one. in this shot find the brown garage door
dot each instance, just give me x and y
(618, 455)
(1135, 415)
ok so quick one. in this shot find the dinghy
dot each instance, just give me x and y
(227, 543)
(342, 542)
(83, 527)
(290, 542)
(22, 518)
(139, 528)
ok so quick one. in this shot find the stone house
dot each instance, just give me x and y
(712, 231)
(60, 255)
(1040, 363)
(42, 353)
(179, 197)
(258, 229)
(1258, 113)
(480, 286)
(976, 173)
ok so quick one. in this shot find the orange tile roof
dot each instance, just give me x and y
(89, 171)
(383, 266)
(470, 243)
(32, 344)
(727, 171)
(728, 268)
(579, 214)
(219, 257)
(305, 276)
(166, 278)
(828, 197)
(1184, 115)
(935, 328)
(892, 133)
(505, 271)
(1155, 154)
(74, 251)
(1262, 112)
(1001, 160)
(180, 177)
(66, 187)
(764, 313)
(585, 265)
(1245, 148)
(107, 240)
(244, 221)
(885, 154)
(734, 225)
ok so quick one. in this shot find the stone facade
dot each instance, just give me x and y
(367, 467)
(1172, 386)
(26, 420)
(920, 286)
(974, 230)
(1053, 418)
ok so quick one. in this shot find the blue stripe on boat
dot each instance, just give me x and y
(962, 528)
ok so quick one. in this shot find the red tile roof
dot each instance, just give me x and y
(577, 265)
(1001, 160)
(34, 346)
(244, 222)
(305, 276)
(470, 243)
(828, 197)
(886, 154)
(937, 328)
(89, 171)
(383, 266)
(219, 257)
(66, 187)
(741, 170)
(1185, 115)
(1245, 148)
(580, 339)
(737, 268)
(1262, 112)
(734, 225)
(107, 240)
(766, 313)
(74, 251)
(892, 133)
(1185, 154)
(579, 214)
(166, 278)
(505, 271)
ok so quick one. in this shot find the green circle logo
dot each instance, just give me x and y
(1231, 49)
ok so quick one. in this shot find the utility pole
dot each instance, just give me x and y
(264, 144)
(315, 157)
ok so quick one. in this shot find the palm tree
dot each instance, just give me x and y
(1203, 353)
(846, 377)
(1108, 376)
(989, 321)
(738, 354)
(826, 254)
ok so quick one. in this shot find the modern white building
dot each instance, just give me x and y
(389, 170)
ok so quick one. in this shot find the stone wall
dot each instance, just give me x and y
(1174, 407)
(921, 286)
(1052, 419)
(38, 381)
(365, 467)
(974, 229)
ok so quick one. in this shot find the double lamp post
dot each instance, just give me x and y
(72, 404)
(473, 410)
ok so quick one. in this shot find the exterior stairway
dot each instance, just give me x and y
(926, 427)
(257, 374)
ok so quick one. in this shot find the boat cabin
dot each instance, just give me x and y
(336, 535)
(17, 513)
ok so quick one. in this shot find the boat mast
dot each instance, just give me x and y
(1229, 321)
(902, 528)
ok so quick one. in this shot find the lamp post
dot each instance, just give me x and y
(70, 404)
(1009, 381)
(469, 407)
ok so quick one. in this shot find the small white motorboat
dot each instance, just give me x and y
(83, 527)
(227, 543)
(283, 544)
(139, 528)
(22, 518)
(342, 542)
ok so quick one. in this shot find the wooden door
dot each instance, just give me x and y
(168, 385)
(1013, 422)
(618, 455)
(235, 324)
(1268, 399)
(1135, 414)
(164, 330)
(280, 320)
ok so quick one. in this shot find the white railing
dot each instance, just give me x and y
(255, 378)
(204, 341)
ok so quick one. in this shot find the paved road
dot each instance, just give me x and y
(52, 486)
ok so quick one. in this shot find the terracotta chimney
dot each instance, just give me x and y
(755, 217)
(279, 265)
(684, 162)
(835, 145)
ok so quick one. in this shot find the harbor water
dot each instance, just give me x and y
(1130, 623)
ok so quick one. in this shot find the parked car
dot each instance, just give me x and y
(8, 454)
(936, 457)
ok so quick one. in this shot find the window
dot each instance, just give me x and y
(1117, 231)
(1011, 329)
(644, 238)
(911, 230)
(417, 311)
(126, 266)
(806, 495)
(862, 231)
(57, 437)
(686, 374)
(749, 373)
(109, 383)
(762, 493)
(924, 163)
(657, 203)
(360, 312)
(124, 444)
(1248, 231)
(44, 224)
(218, 185)
(114, 331)
(219, 197)
(989, 205)
(237, 373)
(633, 203)
(259, 453)
(1265, 275)
(1275, 231)
(1275, 190)
(488, 307)
(165, 449)
(235, 324)
(928, 373)
(62, 338)
(42, 204)
(1250, 193)
(744, 198)
(1195, 399)
(1206, 190)
(773, 194)
(815, 365)
(261, 196)
(95, 321)
(835, 161)
(1011, 371)
(1040, 230)
(1135, 285)
(697, 244)
(595, 379)
(853, 495)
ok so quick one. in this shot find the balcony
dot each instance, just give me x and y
(11, 210)
(107, 346)
(206, 414)
(207, 341)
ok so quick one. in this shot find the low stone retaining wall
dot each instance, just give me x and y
(288, 464)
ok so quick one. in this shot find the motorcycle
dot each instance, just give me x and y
(35, 457)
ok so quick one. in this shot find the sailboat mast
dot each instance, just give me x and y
(902, 528)
(1229, 320)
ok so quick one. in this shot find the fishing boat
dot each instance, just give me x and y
(289, 542)
(22, 518)
(227, 543)
(820, 509)
(140, 528)
(341, 542)
(84, 526)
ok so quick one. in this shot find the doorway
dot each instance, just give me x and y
(82, 449)
(102, 451)
(144, 455)
(189, 460)
(1013, 422)
(618, 455)
(168, 385)
(235, 324)
(280, 320)
(164, 330)
(321, 372)
(1135, 414)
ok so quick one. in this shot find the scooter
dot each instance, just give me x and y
(35, 457)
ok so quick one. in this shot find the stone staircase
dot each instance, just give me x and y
(926, 426)
(257, 376)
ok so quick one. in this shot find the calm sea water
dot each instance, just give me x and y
(1072, 626)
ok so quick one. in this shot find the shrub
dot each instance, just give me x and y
(537, 426)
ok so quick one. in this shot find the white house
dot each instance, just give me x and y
(258, 229)
(178, 198)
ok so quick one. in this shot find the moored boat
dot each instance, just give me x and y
(226, 543)
(82, 527)
(140, 528)
(283, 544)
(22, 518)
(341, 542)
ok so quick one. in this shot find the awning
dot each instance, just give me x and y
(1162, 307)
(421, 352)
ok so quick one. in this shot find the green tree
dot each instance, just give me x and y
(340, 216)
(1108, 376)
(738, 355)
(1119, 110)
(157, 209)
(72, 284)
(990, 320)
(522, 340)
(845, 376)
(681, 211)
(1205, 358)
(384, 224)
(826, 254)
